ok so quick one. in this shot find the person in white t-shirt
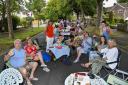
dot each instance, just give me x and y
(110, 54)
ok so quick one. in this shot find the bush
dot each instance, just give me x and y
(23, 22)
(15, 23)
(121, 21)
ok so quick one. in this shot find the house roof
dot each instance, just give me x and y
(124, 4)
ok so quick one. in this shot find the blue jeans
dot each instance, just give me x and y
(106, 35)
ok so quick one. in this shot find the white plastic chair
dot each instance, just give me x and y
(10, 76)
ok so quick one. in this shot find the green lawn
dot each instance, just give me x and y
(5, 42)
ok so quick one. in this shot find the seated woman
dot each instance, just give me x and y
(85, 46)
(110, 54)
(102, 44)
(32, 53)
(17, 59)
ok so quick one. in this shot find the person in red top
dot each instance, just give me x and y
(32, 53)
(49, 35)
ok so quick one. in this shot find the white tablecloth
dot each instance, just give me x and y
(65, 50)
(70, 80)
(65, 33)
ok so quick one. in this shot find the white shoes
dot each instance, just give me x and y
(76, 60)
(43, 65)
(45, 68)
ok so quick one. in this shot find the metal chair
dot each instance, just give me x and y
(109, 70)
(123, 73)
(118, 80)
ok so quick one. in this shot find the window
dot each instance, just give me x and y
(120, 11)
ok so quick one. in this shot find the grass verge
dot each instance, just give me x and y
(6, 43)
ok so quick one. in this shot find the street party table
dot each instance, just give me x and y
(82, 78)
(60, 51)
(65, 32)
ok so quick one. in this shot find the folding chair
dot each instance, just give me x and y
(116, 80)
(123, 73)
(109, 70)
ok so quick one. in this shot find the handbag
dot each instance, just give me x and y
(46, 57)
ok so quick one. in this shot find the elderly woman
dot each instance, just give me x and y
(110, 54)
(35, 55)
(17, 59)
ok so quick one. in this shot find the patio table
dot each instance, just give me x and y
(82, 78)
(59, 52)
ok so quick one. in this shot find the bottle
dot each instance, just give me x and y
(86, 81)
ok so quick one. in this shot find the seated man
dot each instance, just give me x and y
(17, 59)
(35, 55)
(85, 47)
(110, 54)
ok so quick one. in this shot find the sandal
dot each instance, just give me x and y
(34, 79)
(46, 69)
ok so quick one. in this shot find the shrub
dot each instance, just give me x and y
(23, 22)
(15, 22)
(121, 21)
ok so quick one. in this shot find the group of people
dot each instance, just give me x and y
(26, 57)
(100, 49)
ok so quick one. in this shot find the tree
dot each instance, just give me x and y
(8, 7)
(87, 7)
(82, 7)
(122, 1)
(51, 10)
(57, 9)
(99, 11)
(2, 13)
(9, 18)
(75, 5)
(36, 7)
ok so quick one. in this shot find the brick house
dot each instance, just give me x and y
(120, 10)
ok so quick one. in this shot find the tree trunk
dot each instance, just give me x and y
(99, 11)
(3, 15)
(9, 19)
(77, 15)
(38, 23)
